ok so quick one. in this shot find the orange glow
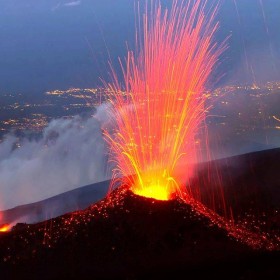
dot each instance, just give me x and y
(163, 105)
(155, 186)
(154, 191)
(5, 228)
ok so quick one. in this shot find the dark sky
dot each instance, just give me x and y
(49, 44)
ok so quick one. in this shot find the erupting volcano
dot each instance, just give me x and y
(162, 105)
(155, 222)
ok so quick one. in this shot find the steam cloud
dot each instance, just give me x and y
(71, 153)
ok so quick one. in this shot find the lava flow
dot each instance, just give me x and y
(162, 105)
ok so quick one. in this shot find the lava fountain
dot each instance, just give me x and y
(161, 105)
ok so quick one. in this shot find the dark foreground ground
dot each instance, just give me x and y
(130, 237)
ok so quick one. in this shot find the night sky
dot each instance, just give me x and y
(57, 44)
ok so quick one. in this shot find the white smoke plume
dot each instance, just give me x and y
(71, 153)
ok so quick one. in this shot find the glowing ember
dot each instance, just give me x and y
(5, 228)
(162, 105)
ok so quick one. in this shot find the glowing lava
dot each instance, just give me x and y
(162, 104)
(152, 190)
(5, 228)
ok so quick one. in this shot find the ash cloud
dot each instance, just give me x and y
(71, 153)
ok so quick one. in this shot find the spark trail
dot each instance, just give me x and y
(243, 39)
(161, 106)
(268, 34)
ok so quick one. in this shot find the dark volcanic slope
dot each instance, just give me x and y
(131, 237)
(70, 201)
(250, 185)
(250, 182)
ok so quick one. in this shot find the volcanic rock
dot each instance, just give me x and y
(126, 236)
